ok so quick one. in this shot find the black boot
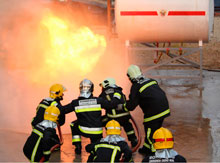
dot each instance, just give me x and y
(78, 149)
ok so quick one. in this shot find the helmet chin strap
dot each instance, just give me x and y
(58, 99)
(137, 79)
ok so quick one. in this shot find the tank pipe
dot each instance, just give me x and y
(57, 145)
(157, 53)
(161, 53)
(193, 64)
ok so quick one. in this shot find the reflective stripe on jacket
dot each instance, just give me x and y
(151, 98)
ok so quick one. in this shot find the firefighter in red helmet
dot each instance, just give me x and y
(163, 144)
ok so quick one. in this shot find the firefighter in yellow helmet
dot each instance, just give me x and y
(163, 143)
(56, 93)
(55, 97)
(109, 91)
(43, 136)
(111, 148)
(153, 101)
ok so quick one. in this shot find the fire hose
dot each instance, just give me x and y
(57, 145)
(61, 139)
(138, 135)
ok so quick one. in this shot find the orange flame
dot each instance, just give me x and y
(71, 48)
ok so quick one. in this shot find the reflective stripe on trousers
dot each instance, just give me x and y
(149, 144)
(40, 134)
(76, 138)
(157, 116)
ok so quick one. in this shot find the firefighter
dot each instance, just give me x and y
(112, 148)
(163, 143)
(110, 90)
(152, 100)
(88, 113)
(43, 136)
(56, 95)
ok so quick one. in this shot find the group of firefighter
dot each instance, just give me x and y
(145, 92)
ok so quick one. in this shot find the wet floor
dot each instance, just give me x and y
(191, 133)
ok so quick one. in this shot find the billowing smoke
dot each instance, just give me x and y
(25, 71)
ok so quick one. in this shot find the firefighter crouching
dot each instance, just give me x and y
(111, 148)
(152, 100)
(122, 115)
(43, 136)
(88, 113)
(163, 143)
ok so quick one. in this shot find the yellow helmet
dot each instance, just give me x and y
(108, 82)
(51, 113)
(113, 128)
(56, 91)
(163, 138)
(133, 72)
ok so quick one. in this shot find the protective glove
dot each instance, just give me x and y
(120, 107)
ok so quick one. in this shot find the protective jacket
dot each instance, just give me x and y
(151, 98)
(39, 143)
(109, 149)
(108, 93)
(41, 109)
(88, 112)
(120, 114)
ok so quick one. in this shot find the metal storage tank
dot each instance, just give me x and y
(164, 20)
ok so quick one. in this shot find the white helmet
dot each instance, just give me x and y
(86, 88)
(133, 72)
(108, 82)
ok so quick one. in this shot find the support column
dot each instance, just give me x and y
(201, 67)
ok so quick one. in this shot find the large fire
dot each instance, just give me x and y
(71, 48)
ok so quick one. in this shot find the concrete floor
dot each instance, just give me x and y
(191, 133)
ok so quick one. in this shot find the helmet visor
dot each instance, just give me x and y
(85, 88)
